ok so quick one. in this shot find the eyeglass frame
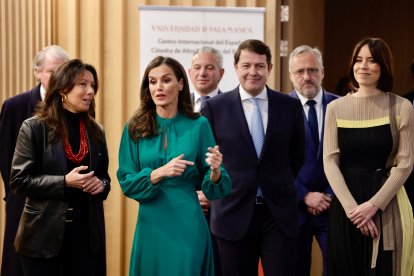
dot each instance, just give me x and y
(300, 73)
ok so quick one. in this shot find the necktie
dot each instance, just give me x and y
(257, 132)
(313, 121)
(203, 100)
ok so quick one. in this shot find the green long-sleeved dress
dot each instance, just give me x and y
(171, 236)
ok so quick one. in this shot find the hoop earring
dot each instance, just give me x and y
(64, 98)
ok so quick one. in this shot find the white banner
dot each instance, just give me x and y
(178, 31)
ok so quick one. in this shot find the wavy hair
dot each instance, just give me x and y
(144, 123)
(51, 109)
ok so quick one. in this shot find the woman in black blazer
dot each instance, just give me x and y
(60, 165)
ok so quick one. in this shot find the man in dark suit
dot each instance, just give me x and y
(14, 111)
(205, 74)
(313, 190)
(260, 133)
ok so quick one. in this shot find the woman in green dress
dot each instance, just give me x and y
(166, 151)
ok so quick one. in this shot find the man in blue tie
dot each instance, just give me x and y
(205, 74)
(313, 190)
(261, 134)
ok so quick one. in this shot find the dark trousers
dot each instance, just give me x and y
(314, 226)
(74, 259)
(10, 263)
(217, 263)
(264, 239)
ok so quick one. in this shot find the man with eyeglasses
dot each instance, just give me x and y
(313, 190)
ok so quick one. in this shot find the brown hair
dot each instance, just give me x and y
(255, 46)
(144, 122)
(381, 54)
(62, 82)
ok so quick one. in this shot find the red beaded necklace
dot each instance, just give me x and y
(83, 147)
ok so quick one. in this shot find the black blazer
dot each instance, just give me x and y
(282, 156)
(37, 172)
(14, 111)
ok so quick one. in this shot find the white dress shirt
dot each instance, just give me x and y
(42, 92)
(197, 96)
(248, 106)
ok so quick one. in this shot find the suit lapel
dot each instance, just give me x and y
(56, 150)
(325, 102)
(35, 95)
(35, 98)
(308, 134)
(272, 117)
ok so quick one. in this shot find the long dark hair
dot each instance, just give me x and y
(61, 83)
(144, 122)
(381, 54)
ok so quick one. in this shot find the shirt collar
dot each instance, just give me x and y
(245, 96)
(42, 92)
(211, 94)
(317, 98)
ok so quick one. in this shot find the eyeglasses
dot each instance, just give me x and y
(311, 72)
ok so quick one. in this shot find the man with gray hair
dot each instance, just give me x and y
(14, 111)
(313, 190)
(205, 74)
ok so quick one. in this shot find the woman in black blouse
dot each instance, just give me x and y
(60, 165)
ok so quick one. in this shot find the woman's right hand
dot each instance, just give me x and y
(175, 167)
(369, 229)
(76, 179)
